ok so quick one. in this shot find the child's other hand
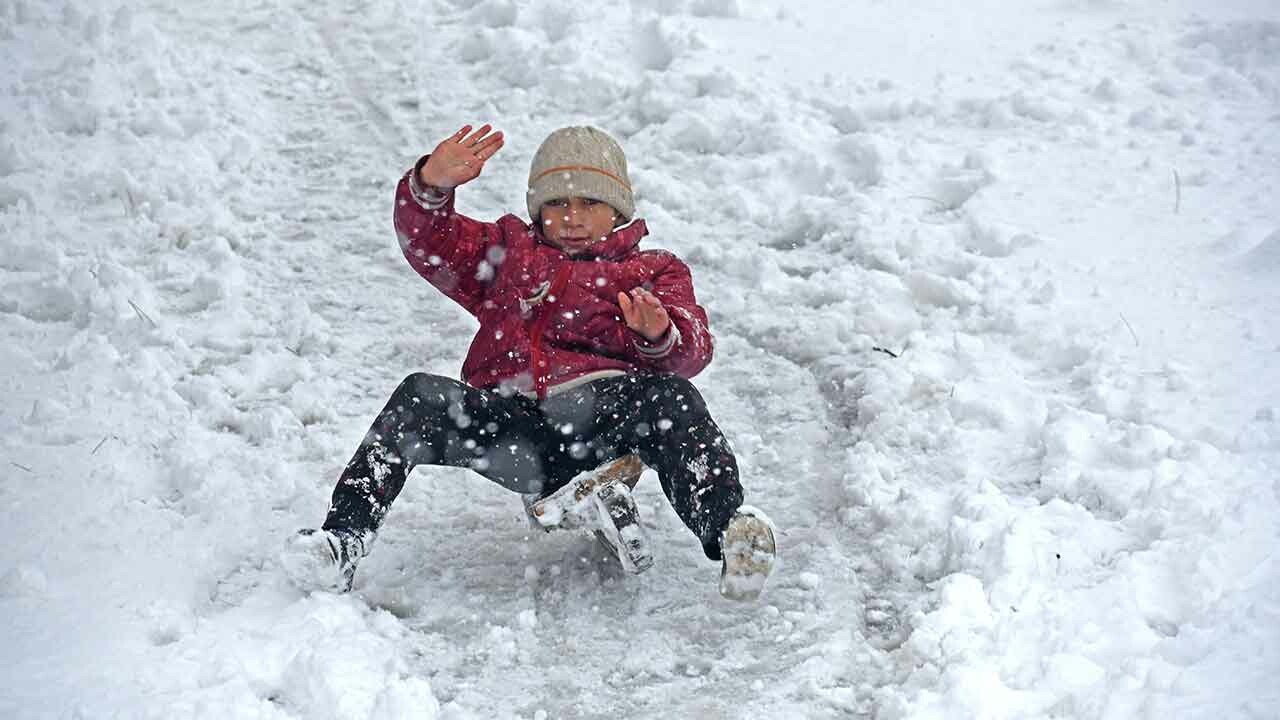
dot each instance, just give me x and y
(460, 157)
(643, 312)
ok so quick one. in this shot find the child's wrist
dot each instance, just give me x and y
(657, 337)
(661, 346)
(424, 180)
(429, 186)
(430, 197)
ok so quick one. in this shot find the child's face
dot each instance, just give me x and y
(575, 224)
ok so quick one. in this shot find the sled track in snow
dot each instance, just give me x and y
(553, 607)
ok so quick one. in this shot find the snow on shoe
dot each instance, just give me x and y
(535, 521)
(599, 500)
(324, 559)
(748, 550)
(572, 506)
(619, 527)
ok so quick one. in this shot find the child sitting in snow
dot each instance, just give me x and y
(583, 355)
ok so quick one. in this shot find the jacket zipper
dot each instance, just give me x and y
(537, 357)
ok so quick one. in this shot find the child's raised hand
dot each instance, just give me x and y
(460, 157)
(643, 312)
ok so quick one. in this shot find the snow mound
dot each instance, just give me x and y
(1244, 56)
(1265, 256)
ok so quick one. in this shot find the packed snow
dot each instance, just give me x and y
(996, 289)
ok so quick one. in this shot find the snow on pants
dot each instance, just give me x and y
(537, 446)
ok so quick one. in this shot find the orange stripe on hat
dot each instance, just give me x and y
(585, 168)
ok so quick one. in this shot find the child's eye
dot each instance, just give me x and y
(589, 201)
(558, 203)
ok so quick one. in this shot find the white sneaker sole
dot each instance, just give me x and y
(749, 551)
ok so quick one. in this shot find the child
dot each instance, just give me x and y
(585, 347)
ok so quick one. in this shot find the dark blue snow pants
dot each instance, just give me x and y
(537, 446)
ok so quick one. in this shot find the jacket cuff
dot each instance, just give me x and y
(428, 197)
(660, 348)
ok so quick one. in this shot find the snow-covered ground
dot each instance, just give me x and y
(1059, 499)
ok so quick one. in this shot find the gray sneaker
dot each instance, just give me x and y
(748, 550)
(325, 559)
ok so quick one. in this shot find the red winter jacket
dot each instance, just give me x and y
(547, 318)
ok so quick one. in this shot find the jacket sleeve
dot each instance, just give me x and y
(450, 250)
(687, 346)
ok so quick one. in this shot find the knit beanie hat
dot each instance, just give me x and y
(580, 162)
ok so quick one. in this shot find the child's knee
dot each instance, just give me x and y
(677, 396)
(425, 387)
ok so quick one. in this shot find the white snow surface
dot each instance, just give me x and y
(1059, 499)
